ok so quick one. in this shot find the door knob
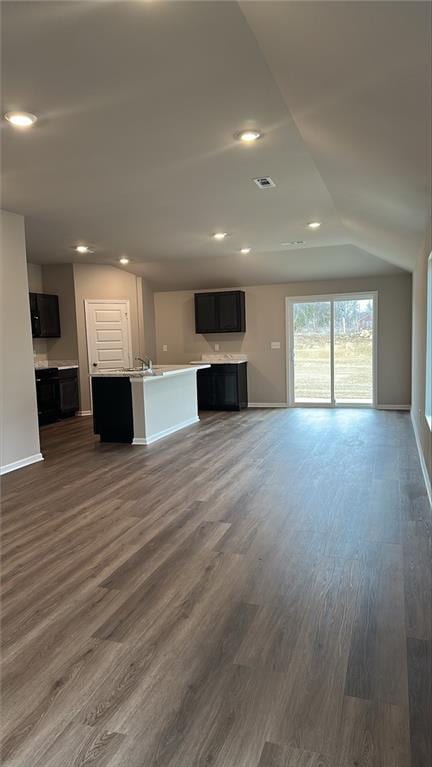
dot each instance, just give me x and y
(95, 364)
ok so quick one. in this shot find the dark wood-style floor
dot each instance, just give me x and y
(254, 591)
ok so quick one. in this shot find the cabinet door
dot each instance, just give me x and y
(34, 315)
(49, 318)
(113, 424)
(68, 394)
(47, 399)
(206, 390)
(205, 313)
(229, 312)
(226, 390)
(242, 384)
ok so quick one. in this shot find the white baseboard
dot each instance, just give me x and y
(422, 460)
(164, 433)
(84, 412)
(267, 404)
(312, 404)
(21, 463)
(393, 407)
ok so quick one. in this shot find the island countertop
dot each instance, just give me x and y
(128, 408)
(158, 371)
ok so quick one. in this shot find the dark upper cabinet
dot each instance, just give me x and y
(205, 312)
(230, 312)
(221, 312)
(45, 316)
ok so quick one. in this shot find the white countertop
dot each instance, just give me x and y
(59, 364)
(221, 359)
(217, 362)
(159, 371)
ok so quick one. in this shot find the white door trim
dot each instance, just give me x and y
(87, 304)
(361, 295)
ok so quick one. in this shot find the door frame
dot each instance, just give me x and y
(289, 345)
(88, 302)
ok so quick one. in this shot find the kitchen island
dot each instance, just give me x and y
(141, 406)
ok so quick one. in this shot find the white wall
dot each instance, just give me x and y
(421, 426)
(58, 279)
(35, 278)
(149, 321)
(265, 322)
(19, 434)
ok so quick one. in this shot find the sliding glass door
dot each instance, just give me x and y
(331, 350)
(312, 352)
(353, 351)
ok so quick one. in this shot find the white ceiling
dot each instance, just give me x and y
(134, 151)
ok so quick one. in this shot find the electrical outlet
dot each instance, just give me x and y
(275, 344)
(164, 348)
(217, 347)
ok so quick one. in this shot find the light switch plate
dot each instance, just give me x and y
(275, 345)
(164, 348)
(217, 347)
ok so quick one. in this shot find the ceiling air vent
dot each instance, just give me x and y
(265, 182)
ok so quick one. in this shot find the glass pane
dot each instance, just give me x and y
(312, 378)
(353, 350)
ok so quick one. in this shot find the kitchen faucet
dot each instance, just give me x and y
(146, 362)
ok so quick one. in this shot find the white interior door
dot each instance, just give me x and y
(108, 334)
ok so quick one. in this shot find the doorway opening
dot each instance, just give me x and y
(332, 350)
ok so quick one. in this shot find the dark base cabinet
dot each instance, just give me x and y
(47, 395)
(223, 387)
(68, 392)
(57, 394)
(112, 409)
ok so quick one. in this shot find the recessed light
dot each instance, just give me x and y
(220, 235)
(314, 224)
(84, 249)
(124, 260)
(245, 251)
(20, 119)
(248, 136)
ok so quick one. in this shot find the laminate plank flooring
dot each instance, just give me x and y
(254, 591)
(275, 755)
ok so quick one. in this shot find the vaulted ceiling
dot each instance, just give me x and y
(134, 150)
